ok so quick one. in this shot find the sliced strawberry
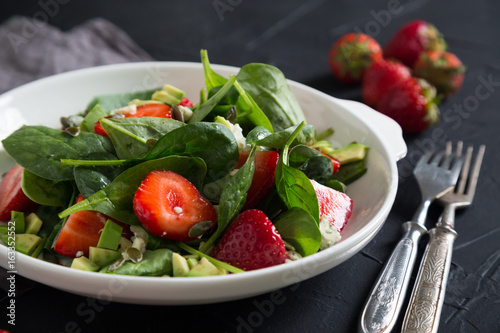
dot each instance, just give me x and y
(263, 177)
(81, 231)
(251, 242)
(335, 205)
(168, 205)
(146, 110)
(186, 102)
(12, 196)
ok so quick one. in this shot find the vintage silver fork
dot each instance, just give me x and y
(436, 173)
(426, 302)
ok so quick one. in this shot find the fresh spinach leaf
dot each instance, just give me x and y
(278, 139)
(293, 186)
(298, 227)
(91, 118)
(39, 149)
(269, 89)
(130, 135)
(46, 192)
(111, 102)
(206, 107)
(233, 198)
(256, 134)
(212, 79)
(319, 168)
(116, 199)
(212, 142)
(154, 263)
(350, 172)
(91, 179)
(249, 109)
(300, 154)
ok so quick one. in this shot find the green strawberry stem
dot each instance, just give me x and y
(218, 263)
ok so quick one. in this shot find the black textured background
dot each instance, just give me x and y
(295, 36)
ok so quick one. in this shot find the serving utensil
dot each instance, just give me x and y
(436, 173)
(428, 294)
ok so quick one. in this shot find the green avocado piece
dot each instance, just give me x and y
(192, 262)
(27, 243)
(33, 224)
(351, 153)
(102, 257)
(180, 266)
(84, 264)
(110, 236)
(169, 94)
(18, 219)
(204, 268)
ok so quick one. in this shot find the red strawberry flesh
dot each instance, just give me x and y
(12, 197)
(168, 205)
(333, 204)
(251, 242)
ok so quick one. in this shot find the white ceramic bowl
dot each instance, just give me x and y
(44, 101)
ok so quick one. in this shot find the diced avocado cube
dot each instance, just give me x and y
(102, 257)
(204, 268)
(169, 94)
(350, 153)
(84, 264)
(179, 265)
(140, 102)
(110, 236)
(192, 262)
(18, 219)
(33, 224)
(27, 243)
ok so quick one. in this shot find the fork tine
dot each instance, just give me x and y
(471, 189)
(451, 157)
(464, 174)
(456, 167)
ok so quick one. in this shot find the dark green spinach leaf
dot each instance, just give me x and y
(278, 139)
(91, 179)
(129, 135)
(154, 263)
(114, 101)
(298, 227)
(45, 191)
(39, 149)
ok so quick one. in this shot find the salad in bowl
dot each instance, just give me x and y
(141, 185)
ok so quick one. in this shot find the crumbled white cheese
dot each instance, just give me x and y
(79, 254)
(178, 210)
(329, 235)
(293, 255)
(124, 244)
(126, 110)
(240, 139)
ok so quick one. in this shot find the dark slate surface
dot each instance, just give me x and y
(295, 36)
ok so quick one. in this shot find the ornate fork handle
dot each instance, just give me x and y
(427, 297)
(385, 301)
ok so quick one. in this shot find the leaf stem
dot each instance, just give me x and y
(93, 162)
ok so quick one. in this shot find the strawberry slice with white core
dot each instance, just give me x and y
(251, 242)
(168, 205)
(333, 204)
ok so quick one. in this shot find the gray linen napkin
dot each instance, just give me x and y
(34, 50)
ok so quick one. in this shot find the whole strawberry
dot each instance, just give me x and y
(442, 69)
(413, 38)
(351, 55)
(251, 242)
(411, 104)
(380, 77)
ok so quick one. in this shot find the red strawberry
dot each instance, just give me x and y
(168, 205)
(263, 177)
(81, 231)
(412, 39)
(351, 55)
(251, 242)
(12, 196)
(337, 206)
(380, 77)
(185, 102)
(147, 110)
(411, 104)
(442, 69)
